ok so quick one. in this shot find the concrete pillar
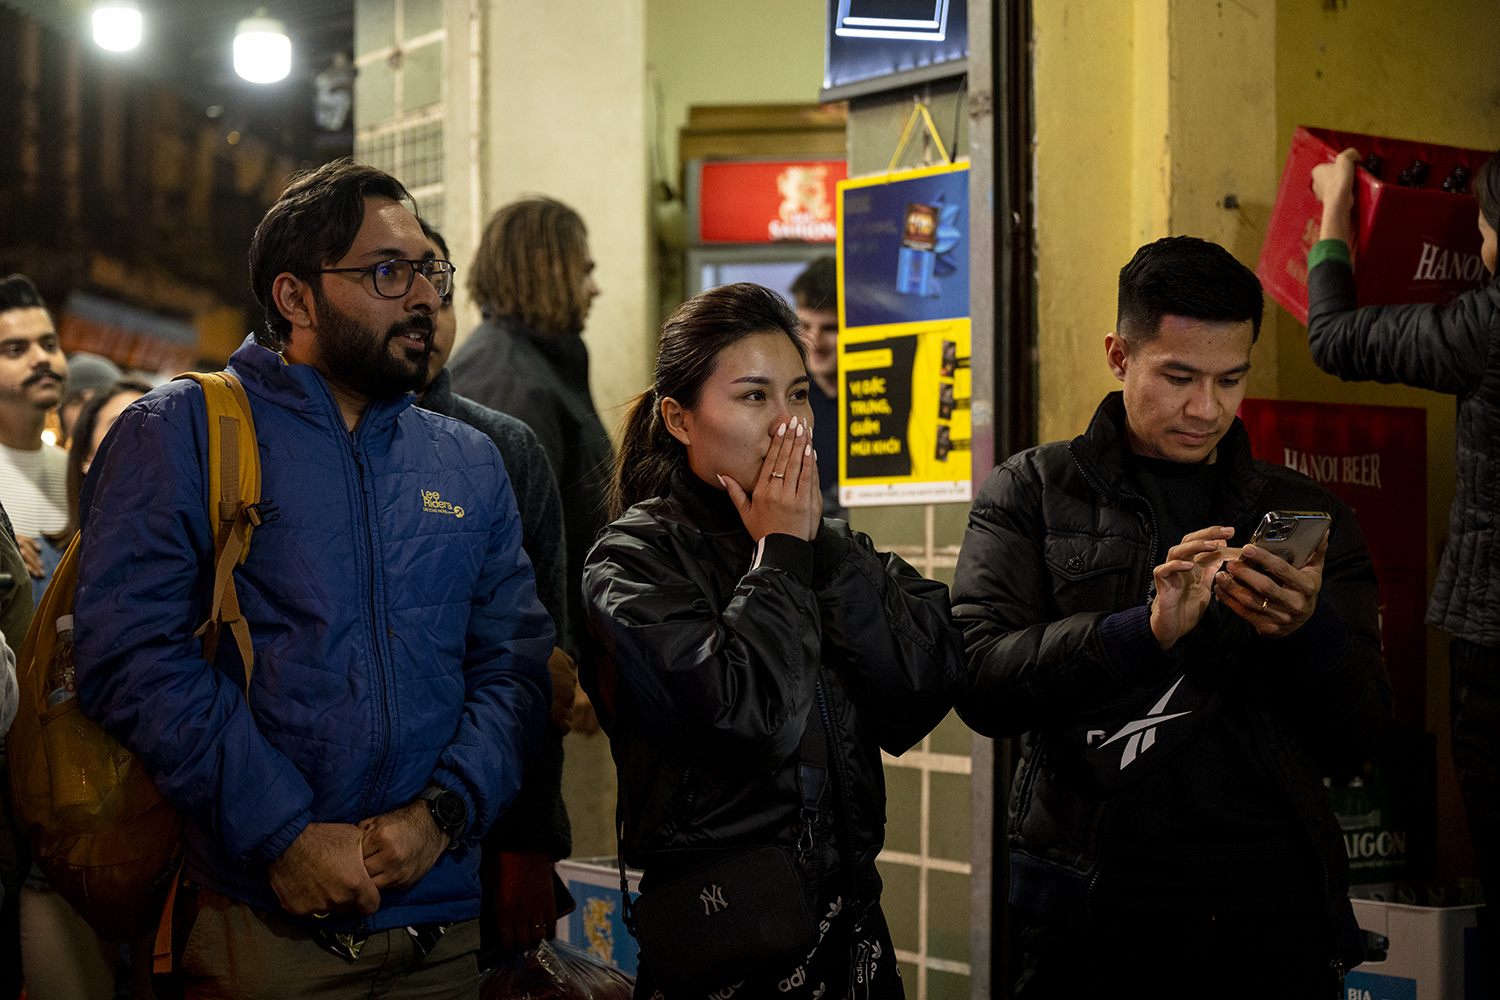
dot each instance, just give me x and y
(564, 114)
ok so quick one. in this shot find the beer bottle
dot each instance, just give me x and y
(80, 761)
(60, 686)
(1415, 176)
(1458, 180)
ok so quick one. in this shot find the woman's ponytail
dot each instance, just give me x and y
(647, 458)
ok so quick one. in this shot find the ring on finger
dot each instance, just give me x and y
(1264, 603)
(778, 475)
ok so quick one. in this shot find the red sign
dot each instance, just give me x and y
(128, 348)
(1374, 458)
(769, 201)
(1416, 233)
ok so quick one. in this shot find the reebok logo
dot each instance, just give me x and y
(434, 504)
(1141, 732)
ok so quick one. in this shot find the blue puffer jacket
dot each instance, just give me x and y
(398, 640)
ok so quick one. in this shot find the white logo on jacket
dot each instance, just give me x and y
(1141, 732)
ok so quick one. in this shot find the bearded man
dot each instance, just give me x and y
(335, 808)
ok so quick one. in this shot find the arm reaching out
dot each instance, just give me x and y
(1333, 183)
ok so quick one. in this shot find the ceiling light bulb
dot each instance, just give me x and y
(117, 25)
(262, 51)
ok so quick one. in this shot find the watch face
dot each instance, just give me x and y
(450, 810)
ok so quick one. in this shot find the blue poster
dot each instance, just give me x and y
(905, 247)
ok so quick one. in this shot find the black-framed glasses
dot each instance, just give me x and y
(393, 278)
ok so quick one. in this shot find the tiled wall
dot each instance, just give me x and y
(926, 862)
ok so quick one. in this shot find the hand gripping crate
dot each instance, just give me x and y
(1413, 242)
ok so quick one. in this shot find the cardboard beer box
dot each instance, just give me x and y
(1416, 236)
(1421, 942)
(597, 923)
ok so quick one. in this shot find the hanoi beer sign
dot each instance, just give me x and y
(768, 201)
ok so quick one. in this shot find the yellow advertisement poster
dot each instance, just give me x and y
(904, 379)
(905, 433)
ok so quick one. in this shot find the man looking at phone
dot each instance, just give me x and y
(1179, 698)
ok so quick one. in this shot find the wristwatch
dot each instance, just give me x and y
(449, 812)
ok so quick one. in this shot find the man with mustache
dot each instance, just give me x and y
(33, 474)
(334, 809)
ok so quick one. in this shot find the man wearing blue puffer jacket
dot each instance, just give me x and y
(400, 682)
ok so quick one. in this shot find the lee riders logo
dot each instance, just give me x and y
(434, 504)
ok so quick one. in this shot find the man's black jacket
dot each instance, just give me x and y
(543, 379)
(1052, 592)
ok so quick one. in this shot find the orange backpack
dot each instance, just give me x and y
(108, 841)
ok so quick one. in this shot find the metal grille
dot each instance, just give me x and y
(409, 143)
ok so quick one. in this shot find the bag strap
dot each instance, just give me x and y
(840, 792)
(234, 505)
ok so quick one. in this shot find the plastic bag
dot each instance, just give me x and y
(554, 970)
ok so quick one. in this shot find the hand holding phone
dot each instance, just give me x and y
(1291, 535)
(1273, 583)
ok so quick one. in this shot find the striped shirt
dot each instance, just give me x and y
(34, 489)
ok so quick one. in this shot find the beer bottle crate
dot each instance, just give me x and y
(1413, 241)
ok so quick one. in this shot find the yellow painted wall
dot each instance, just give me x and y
(1148, 113)
(729, 52)
(1085, 151)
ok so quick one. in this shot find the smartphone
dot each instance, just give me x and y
(1292, 534)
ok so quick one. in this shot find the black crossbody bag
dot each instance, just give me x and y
(722, 920)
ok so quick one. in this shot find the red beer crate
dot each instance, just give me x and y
(1413, 242)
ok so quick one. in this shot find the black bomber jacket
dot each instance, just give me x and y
(1454, 348)
(1052, 591)
(714, 654)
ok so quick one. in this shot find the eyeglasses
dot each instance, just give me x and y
(393, 278)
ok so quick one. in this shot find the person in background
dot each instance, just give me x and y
(91, 423)
(533, 277)
(15, 854)
(48, 919)
(10, 697)
(16, 602)
(742, 637)
(1179, 700)
(816, 292)
(87, 374)
(1453, 349)
(33, 474)
(520, 901)
(335, 791)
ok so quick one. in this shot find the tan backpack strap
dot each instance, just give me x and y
(161, 957)
(234, 484)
